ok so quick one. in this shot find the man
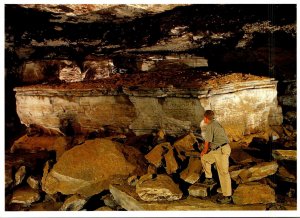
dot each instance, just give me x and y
(217, 141)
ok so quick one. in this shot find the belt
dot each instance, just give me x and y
(219, 146)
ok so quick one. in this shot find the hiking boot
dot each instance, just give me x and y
(224, 200)
(209, 181)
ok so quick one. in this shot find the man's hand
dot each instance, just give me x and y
(204, 151)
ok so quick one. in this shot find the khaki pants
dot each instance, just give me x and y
(221, 158)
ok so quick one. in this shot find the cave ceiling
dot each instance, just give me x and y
(240, 35)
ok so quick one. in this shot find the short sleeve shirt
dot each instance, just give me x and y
(215, 134)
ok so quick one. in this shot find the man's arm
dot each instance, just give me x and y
(205, 149)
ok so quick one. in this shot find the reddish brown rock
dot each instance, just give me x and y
(87, 169)
(58, 144)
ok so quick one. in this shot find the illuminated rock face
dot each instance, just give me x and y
(241, 107)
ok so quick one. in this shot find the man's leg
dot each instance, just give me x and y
(222, 163)
(207, 160)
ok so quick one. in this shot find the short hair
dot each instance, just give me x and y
(209, 114)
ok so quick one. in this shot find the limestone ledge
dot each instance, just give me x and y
(197, 92)
(241, 107)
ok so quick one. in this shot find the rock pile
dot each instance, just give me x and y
(149, 172)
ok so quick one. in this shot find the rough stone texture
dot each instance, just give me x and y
(87, 169)
(200, 190)
(98, 69)
(129, 200)
(25, 196)
(70, 72)
(244, 194)
(186, 143)
(8, 177)
(34, 183)
(289, 98)
(171, 163)
(109, 201)
(285, 155)
(155, 156)
(20, 175)
(286, 175)
(254, 173)
(193, 171)
(159, 188)
(40, 143)
(73, 203)
(93, 109)
(99, 12)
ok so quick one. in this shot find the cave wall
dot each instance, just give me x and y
(243, 108)
(63, 44)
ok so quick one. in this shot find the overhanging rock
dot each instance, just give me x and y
(241, 107)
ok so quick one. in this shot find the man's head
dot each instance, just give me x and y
(209, 115)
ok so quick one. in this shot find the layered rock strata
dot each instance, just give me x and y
(242, 107)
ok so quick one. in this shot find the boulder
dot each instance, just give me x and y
(33, 182)
(185, 144)
(20, 175)
(264, 194)
(201, 190)
(171, 163)
(254, 173)
(87, 169)
(191, 174)
(73, 203)
(155, 156)
(157, 188)
(285, 175)
(25, 196)
(285, 155)
(58, 144)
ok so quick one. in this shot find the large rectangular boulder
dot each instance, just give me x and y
(253, 193)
